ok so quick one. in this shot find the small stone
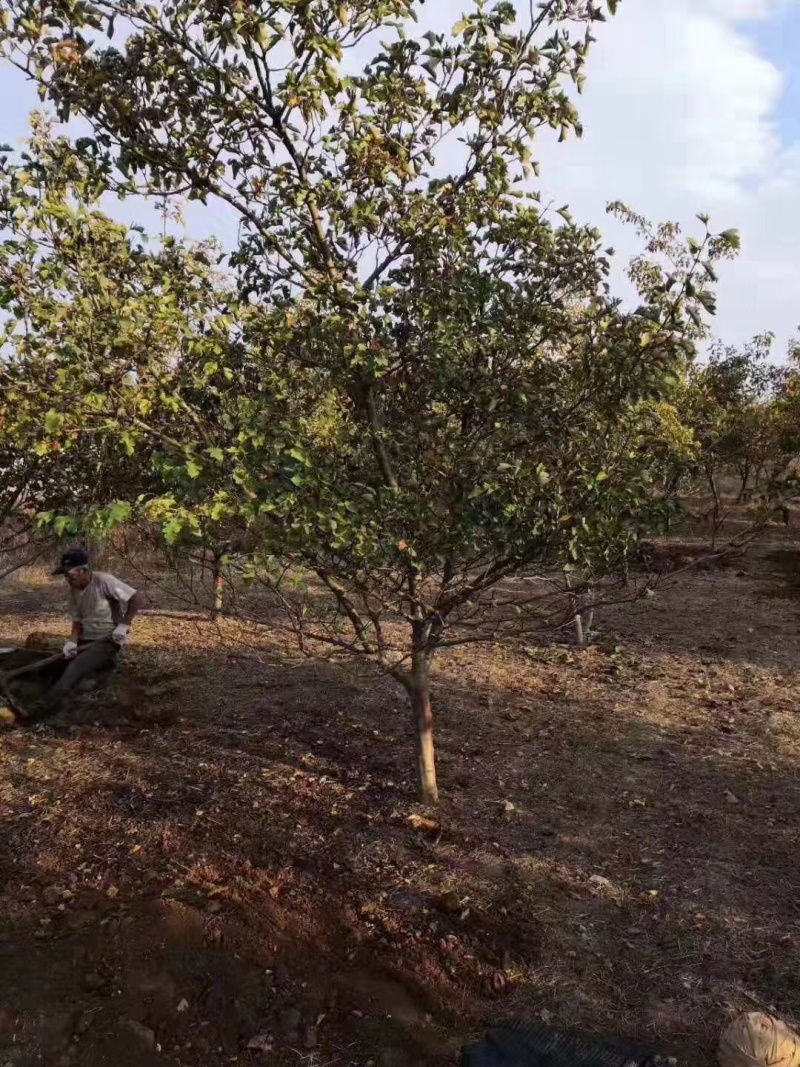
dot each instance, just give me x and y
(731, 798)
(93, 983)
(310, 1037)
(260, 1043)
(600, 881)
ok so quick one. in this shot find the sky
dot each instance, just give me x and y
(690, 106)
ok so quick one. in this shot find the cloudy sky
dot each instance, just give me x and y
(690, 106)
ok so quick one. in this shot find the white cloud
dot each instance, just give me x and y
(679, 111)
(680, 117)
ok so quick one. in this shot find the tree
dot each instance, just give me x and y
(735, 404)
(425, 388)
(88, 311)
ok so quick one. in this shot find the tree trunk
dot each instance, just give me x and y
(744, 474)
(717, 515)
(419, 690)
(219, 582)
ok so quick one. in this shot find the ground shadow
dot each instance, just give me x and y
(615, 849)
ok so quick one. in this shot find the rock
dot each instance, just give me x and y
(600, 881)
(731, 798)
(419, 822)
(93, 983)
(141, 1033)
(260, 1043)
(759, 1039)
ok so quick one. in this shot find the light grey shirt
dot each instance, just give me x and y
(92, 606)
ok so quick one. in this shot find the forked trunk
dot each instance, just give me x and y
(419, 691)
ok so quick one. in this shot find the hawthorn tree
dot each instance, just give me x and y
(423, 389)
(91, 319)
(736, 405)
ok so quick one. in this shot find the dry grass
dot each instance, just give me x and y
(616, 848)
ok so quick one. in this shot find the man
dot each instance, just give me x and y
(102, 609)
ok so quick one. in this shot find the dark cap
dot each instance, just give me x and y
(72, 560)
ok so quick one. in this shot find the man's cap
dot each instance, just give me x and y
(70, 561)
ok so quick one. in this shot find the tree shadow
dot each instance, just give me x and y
(597, 856)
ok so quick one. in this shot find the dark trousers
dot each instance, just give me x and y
(95, 657)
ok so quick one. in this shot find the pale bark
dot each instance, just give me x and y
(419, 690)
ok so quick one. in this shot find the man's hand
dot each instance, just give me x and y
(70, 650)
(120, 634)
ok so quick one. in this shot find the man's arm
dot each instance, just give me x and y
(125, 603)
(135, 605)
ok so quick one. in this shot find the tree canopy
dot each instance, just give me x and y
(413, 384)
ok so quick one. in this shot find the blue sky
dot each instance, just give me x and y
(690, 106)
(779, 39)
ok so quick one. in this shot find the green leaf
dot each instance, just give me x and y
(172, 531)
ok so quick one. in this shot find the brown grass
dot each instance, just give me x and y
(616, 849)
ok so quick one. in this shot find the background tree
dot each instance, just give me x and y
(735, 404)
(89, 314)
(425, 388)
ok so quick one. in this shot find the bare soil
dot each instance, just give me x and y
(222, 849)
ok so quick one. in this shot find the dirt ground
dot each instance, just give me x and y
(233, 872)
